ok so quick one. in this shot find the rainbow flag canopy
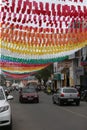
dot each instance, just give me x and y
(35, 33)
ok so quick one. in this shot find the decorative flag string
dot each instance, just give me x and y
(35, 32)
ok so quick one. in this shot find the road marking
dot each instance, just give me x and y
(78, 114)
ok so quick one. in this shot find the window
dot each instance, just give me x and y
(69, 90)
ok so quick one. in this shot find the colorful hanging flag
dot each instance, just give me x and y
(35, 32)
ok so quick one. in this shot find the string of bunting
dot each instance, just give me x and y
(35, 32)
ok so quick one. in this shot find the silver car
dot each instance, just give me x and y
(66, 95)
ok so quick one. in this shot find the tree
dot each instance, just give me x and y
(45, 73)
(2, 79)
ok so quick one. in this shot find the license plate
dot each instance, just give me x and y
(70, 99)
(30, 98)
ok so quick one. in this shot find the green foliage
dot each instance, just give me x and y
(2, 79)
(45, 73)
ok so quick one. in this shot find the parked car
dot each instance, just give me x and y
(5, 110)
(66, 95)
(28, 94)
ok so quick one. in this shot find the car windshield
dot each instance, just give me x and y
(2, 97)
(69, 90)
(28, 90)
(31, 85)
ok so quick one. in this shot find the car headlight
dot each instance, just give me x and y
(4, 108)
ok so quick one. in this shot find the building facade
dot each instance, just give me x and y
(72, 72)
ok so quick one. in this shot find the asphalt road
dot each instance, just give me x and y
(47, 116)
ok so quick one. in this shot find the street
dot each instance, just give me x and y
(47, 116)
(43, 48)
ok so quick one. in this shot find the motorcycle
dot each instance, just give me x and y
(48, 90)
(84, 95)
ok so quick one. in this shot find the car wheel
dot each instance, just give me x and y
(37, 100)
(20, 100)
(10, 126)
(60, 102)
(77, 103)
(53, 101)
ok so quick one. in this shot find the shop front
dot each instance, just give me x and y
(83, 78)
(57, 81)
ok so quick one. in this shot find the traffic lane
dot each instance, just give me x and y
(45, 116)
(77, 110)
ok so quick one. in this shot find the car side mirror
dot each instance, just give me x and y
(9, 97)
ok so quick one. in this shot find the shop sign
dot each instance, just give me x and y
(57, 77)
(66, 64)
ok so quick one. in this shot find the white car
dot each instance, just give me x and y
(5, 110)
(66, 95)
